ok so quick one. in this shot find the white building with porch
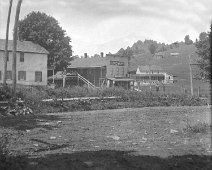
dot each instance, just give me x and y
(152, 75)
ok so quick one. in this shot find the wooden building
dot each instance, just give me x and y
(111, 70)
(31, 63)
(146, 75)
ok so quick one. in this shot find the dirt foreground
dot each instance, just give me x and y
(144, 138)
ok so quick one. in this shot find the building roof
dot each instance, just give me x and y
(88, 62)
(159, 54)
(147, 75)
(149, 68)
(120, 79)
(24, 46)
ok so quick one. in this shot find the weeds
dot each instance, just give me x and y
(8, 162)
(200, 127)
(33, 97)
(3, 146)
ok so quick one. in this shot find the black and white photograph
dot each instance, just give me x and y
(105, 85)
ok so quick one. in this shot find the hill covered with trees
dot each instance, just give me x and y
(172, 58)
(143, 52)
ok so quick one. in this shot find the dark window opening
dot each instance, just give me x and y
(9, 75)
(22, 75)
(38, 76)
(21, 57)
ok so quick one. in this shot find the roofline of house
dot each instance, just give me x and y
(86, 66)
(28, 51)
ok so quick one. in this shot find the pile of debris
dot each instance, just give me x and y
(15, 107)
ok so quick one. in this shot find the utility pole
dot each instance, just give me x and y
(191, 77)
(53, 70)
(15, 34)
(6, 45)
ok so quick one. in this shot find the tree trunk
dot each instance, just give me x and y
(15, 33)
(6, 44)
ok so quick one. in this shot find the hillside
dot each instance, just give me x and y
(162, 55)
(173, 58)
(177, 65)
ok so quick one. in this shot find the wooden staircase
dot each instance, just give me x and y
(83, 79)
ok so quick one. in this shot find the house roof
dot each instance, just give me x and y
(147, 75)
(120, 79)
(159, 54)
(150, 68)
(24, 46)
(88, 62)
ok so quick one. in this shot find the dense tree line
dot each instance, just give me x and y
(204, 53)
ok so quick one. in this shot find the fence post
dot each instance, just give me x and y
(164, 88)
(185, 90)
(198, 92)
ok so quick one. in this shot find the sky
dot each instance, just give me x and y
(107, 25)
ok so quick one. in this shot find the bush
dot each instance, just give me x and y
(5, 93)
(34, 95)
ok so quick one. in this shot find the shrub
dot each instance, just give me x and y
(5, 93)
(34, 95)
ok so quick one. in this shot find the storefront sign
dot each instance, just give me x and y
(117, 63)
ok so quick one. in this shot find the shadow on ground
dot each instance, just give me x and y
(28, 122)
(111, 160)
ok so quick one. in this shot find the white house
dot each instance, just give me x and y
(152, 74)
(31, 63)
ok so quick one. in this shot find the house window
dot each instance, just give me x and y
(111, 71)
(22, 75)
(21, 57)
(117, 71)
(8, 56)
(123, 71)
(9, 75)
(0, 75)
(38, 76)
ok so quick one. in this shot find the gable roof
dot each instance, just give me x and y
(149, 68)
(24, 46)
(159, 54)
(88, 62)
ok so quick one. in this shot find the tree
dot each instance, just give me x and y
(203, 36)
(15, 35)
(128, 53)
(6, 44)
(203, 51)
(176, 44)
(120, 52)
(45, 31)
(152, 48)
(187, 40)
(96, 56)
(75, 57)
